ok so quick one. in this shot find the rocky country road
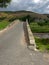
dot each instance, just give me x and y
(13, 49)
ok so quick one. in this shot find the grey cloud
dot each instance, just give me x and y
(27, 5)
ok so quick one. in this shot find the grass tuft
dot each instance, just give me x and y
(36, 28)
(42, 44)
(3, 24)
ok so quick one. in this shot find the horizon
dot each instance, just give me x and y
(24, 11)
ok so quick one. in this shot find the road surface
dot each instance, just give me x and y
(13, 49)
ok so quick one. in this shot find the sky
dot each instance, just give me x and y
(39, 6)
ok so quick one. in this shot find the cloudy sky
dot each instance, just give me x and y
(40, 6)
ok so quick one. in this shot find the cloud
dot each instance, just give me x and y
(36, 1)
(40, 6)
(48, 7)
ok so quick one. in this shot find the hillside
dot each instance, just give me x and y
(32, 14)
(19, 14)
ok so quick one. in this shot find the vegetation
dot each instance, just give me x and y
(42, 44)
(3, 3)
(5, 21)
(3, 24)
(40, 27)
(23, 15)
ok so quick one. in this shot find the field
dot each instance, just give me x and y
(38, 27)
(41, 27)
(6, 19)
(4, 24)
(42, 44)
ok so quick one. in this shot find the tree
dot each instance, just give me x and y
(3, 3)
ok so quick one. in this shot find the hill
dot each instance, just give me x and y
(21, 14)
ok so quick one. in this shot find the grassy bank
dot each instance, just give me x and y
(4, 24)
(5, 20)
(39, 27)
(42, 44)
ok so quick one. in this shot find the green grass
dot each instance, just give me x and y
(6, 20)
(3, 24)
(42, 44)
(41, 27)
(38, 28)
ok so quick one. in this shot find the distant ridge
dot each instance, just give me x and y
(25, 13)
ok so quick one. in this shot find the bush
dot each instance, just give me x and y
(12, 19)
(35, 27)
(42, 44)
(2, 18)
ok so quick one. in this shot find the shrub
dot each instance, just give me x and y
(12, 19)
(2, 18)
